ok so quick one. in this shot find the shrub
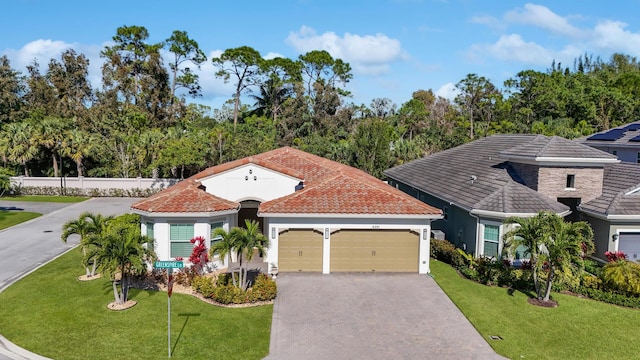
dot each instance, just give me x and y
(609, 297)
(229, 294)
(592, 267)
(446, 252)
(591, 282)
(622, 277)
(264, 289)
(203, 285)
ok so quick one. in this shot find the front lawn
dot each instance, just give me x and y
(577, 329)
(53, 314)
(45, 198)
(10, 218)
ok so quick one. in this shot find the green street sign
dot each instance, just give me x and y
(168, 264)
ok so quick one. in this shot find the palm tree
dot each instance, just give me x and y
(17, 144)
(225, 246)
(552, 243)
(122, 253)
(80, 145)
(5, 180)
(242, 242)
(90, 228)
(248, 239)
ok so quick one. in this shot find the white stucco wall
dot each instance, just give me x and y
(250, 182)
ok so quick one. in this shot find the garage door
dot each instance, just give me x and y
(300, 250)
(630, 245)
(374, 250)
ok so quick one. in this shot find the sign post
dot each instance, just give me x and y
(169, 265)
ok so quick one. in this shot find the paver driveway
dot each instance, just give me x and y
(370, 316)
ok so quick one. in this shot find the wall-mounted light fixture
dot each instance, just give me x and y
(614, 237)
(273, 233)
(425, 234)
(326, 233)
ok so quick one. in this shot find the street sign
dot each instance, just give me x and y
(168, 264)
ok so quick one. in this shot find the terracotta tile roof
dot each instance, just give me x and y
(184, 197)
(329, 188)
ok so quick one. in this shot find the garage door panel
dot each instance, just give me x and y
(374, 250)
(629, 243)
(300, 250)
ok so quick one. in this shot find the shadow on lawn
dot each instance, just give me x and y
(528, 293)
(186, 320)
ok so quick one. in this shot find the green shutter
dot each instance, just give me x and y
(151, 234)
(491, 238)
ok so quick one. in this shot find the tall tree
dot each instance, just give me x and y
(477, 98)
(133, 72)
(41, 94)
(185, 51)
(70, 80)
(12, 88)
(318, 66)
(243, 64)
(17, 144)
(371, 146)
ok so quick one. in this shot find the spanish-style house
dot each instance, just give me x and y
(479, 184)
(319, 215)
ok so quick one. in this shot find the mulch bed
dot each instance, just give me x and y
(542, 303)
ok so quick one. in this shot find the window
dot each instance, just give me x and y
(491, 239)
(150, 233)
(213, 237)
(614, 152)
(180, 237)
(638, 160)
(571, 181)
(445, 213)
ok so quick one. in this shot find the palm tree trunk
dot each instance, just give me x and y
(116, 295)
(124, 284)
(536, 283)
(94, 267)
(549, 282)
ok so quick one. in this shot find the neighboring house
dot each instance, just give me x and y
(479, 184)
(319, 215)
(622, 141)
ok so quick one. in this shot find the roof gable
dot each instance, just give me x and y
(554, 149)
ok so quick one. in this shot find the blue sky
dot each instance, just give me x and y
(395, 47)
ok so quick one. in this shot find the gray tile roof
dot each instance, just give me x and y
(496, 186)
(554, 146)
(619, 179)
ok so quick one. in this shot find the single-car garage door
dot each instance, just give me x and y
(300, 250)
(374, 250)
(630, 245)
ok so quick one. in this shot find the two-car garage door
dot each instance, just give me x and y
(351, 251)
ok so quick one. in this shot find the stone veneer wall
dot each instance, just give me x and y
(552, 182)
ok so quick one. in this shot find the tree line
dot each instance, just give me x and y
(140, 123)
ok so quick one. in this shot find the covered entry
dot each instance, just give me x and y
(300, 250)
(374, 250)
(630, 245)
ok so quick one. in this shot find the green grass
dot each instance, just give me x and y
(53, 314)
(577, 329)
(10, 218)
(45, 198)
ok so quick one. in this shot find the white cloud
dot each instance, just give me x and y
(272, 55)
(514, 48)
(368, 54)
(611, 35)
(448, 91)
(490, 21)
(542, 17)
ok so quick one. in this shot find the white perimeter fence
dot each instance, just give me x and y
(85, 186)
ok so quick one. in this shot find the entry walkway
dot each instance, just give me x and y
(369, 316)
